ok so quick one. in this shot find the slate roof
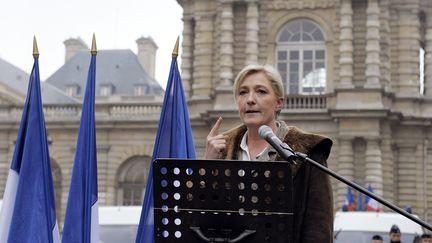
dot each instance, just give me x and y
(16, 79)
(118, 68)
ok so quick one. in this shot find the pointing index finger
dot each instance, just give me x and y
(215, 129)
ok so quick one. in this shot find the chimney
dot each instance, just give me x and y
(74, 45)
(147, 55)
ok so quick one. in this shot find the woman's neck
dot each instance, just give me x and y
(254, 140)
(253, 131)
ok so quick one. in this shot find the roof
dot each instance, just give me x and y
(53, 95)
(13, 77)
(17, 80)
(119, 69)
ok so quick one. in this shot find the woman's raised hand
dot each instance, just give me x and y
(216, 143)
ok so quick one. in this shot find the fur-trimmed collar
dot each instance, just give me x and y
(297, 139)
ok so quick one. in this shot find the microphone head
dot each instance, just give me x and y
(264, 131)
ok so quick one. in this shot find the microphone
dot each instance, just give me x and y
(266, 133)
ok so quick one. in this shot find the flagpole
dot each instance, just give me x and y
(35, 48)
(29, 189)
(36, 57)
(93, 47)
(173, 140)
(55, 235)
(176, 48)
(81, 218)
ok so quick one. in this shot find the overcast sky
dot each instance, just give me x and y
(116, 23)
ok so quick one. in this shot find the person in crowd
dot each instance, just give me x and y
(259, 95)
(395, 234)
(377, 239)
(426, 238)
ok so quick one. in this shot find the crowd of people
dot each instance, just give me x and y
(395, 237)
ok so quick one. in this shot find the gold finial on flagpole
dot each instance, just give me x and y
(176, 48)
(93, 47)
(35, 48)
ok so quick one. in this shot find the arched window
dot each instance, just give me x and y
(300, 57)
(132, 180)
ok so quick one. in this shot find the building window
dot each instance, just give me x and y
(72, 90)
(132, 180)
(140, 89)
(106, 89)
(300, 57)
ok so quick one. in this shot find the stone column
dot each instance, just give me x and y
(223, 92)
(406, 175)
(345, 167)
(203, 53)
(428, 56)
(226, 44)
(346, 44)
(388, 163)
(373, 160)
(187, 54)
(408, 47)
(385, 43)
(252, 27)
(372, 45)
(5, 162)
(421, 175)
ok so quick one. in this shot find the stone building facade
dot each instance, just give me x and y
(358, 71)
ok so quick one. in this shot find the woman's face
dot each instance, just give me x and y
(257, 101)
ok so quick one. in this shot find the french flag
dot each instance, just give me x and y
(349, 201)
(360, 202)
(82, 217)
(371, 204)
(28, 211)
(173, 140)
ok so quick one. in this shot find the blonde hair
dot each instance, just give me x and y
(269, 71)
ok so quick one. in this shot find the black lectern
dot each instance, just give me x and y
(222, 201)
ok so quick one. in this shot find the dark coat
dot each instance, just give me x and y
(313, 201)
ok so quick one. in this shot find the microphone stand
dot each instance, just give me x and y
(289, 154)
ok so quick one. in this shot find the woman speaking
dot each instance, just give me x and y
(259, 94)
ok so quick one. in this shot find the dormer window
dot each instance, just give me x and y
(106, 90)
(140, 89)
(72, 90)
